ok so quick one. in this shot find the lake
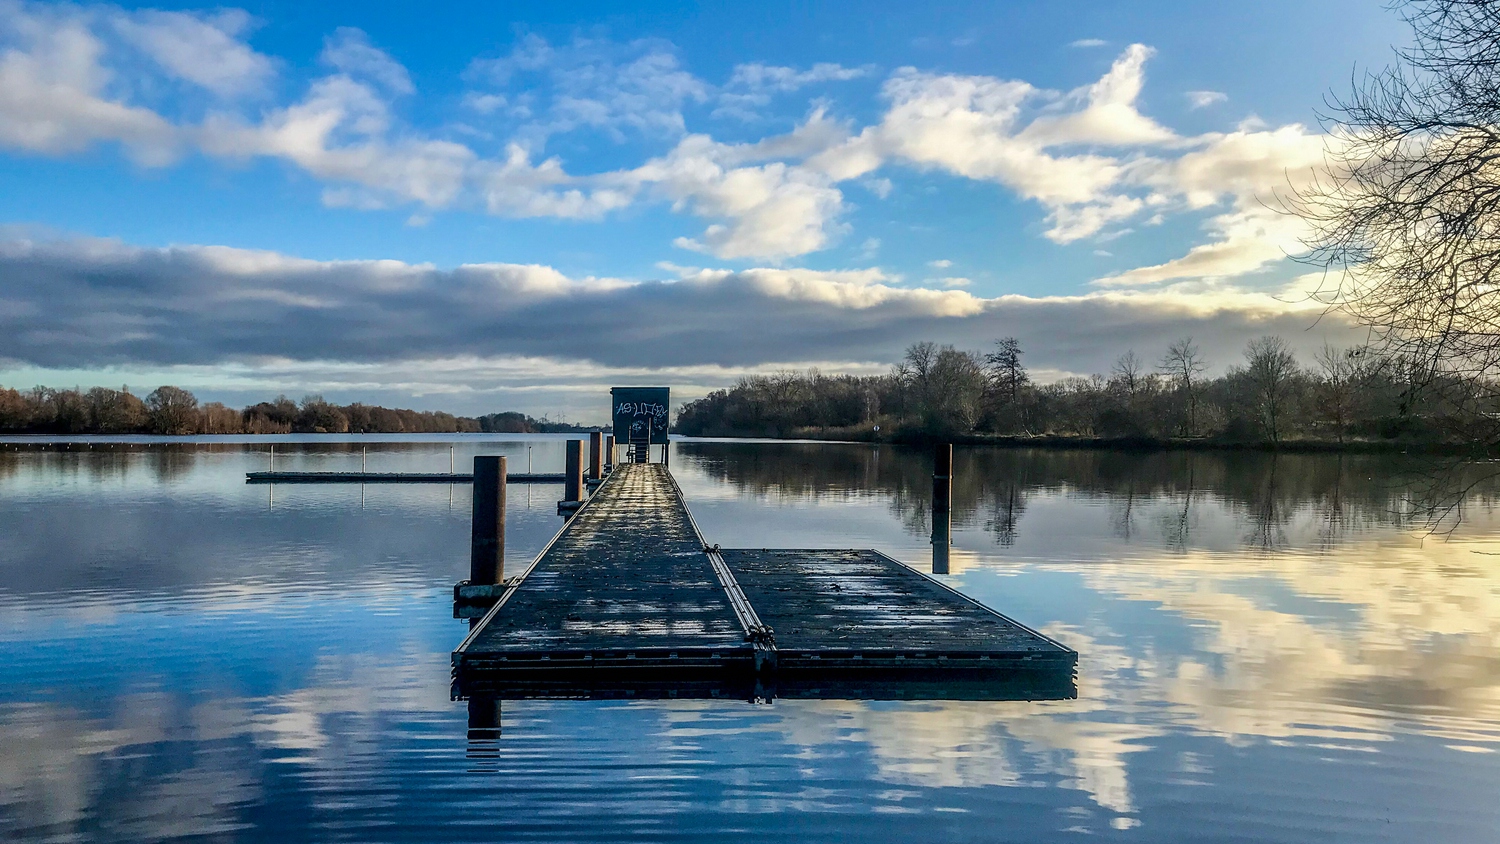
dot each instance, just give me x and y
(1271, 648)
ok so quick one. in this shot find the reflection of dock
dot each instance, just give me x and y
(628, 601)
(390, 478)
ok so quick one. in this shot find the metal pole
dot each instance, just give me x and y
(362, 459)
(487, 547)
(573, 472)
(271, 466)
(596, 455)
(609, 452)
(450, 460)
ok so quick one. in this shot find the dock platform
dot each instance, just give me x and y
(628, 600)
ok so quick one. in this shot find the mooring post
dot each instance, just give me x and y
(596, 455)
(487, 551)
(573, 472)
(942, 539)
(609, 453)
(484, 718)
(942, 477)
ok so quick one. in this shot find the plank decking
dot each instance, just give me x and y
(627, 601)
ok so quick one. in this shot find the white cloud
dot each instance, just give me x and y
(773, 210)
(339, 132)
(52, 85)
(595, 84)
(1203, 99)
(349, 51)
(763, 77)
(1088, 42)
(751, 86)
(941, 263)
(1089, 157)
(205, 50)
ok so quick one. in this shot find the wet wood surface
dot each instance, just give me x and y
(627, 599)
(627, 573)
(865, 602)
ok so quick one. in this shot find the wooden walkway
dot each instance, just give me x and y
(628, 601)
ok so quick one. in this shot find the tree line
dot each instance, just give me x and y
(1268, 396)
(175, 411)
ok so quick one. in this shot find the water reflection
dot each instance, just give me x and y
(1270, 649)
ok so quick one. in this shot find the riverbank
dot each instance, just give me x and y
(1134, 444)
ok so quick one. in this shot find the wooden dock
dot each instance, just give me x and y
(393, 478)
(629, 601)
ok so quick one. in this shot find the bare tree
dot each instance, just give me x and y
(1407, 217)
(1006, 370)
(1271, 369)
(1183, 365)
(1339, 370)
(1128, 372)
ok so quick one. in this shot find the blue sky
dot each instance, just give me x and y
(431, 206)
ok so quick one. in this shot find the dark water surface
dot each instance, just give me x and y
(1267, 653)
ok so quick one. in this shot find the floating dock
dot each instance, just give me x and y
(392, 478)
(628, 600)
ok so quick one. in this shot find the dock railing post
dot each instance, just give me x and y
(573, 472)
(487, 549)
(596, 455)
(609, 452)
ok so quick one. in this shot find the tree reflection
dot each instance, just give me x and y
(992, 486)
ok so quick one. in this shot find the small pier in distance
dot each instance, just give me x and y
(629, 600)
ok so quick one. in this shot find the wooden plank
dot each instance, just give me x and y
(834, 605)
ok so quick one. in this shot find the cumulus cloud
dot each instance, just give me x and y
(90, 304)
(774, 210)
(1204, 99)
(341, 132)
(1090, 158)
(53, 84)
(1088, 42)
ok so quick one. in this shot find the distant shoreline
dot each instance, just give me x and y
(907, 438)
(1126, 444)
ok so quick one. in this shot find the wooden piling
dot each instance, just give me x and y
(596, 455)
(487, 548)
(609, 452)
(942, 540)
(573, 472)
(942, 477)
(484, 718)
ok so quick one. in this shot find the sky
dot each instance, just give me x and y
(480, 207)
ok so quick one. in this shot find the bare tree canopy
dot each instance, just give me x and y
(1407, 216)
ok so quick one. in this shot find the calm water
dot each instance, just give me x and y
(1267, 653)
